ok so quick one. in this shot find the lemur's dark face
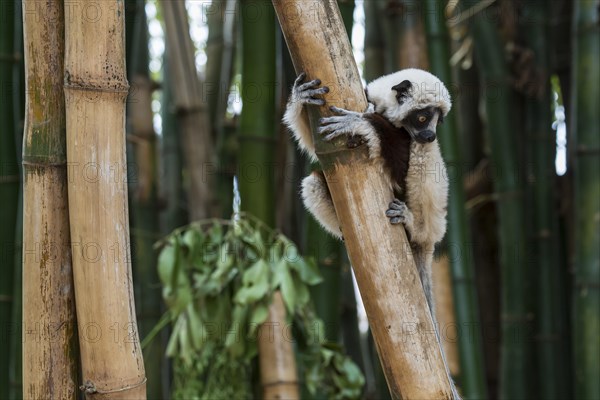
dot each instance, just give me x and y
(421, 124)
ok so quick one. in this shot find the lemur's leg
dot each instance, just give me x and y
(317, 200)
(399, 213)
(295, 116)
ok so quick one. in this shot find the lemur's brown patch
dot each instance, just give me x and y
(395, 147)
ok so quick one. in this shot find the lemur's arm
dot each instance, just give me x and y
(351, 123)
(296, 117)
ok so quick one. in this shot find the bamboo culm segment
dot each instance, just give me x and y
(49, 333)
(379, 252)
(95, 92)
(276, 355)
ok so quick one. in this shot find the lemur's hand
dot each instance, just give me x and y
(346, 123)
(305, 93)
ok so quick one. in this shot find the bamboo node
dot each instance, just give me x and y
(280, 382)
(90, 388)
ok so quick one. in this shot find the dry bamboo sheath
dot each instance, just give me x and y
(49, 343)
(379, 252)
(95, 91)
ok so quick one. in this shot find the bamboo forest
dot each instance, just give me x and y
(300, 199)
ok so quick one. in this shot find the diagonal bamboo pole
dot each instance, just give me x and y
(379, 252)
(49, 345)
(95, 92)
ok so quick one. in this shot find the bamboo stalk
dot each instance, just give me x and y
(49, 348)
(444, 311)
(463, 275)
(545, 247)
(374, 43)
(95, 91)
(257, 141)
(9, 185)
(327, 296)
(192, 109)
(18, 100)
(516, 353)
(278, 374)
(171, 189)
(143, 197)
(585, 121)
(379, 252)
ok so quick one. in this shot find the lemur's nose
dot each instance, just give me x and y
(427, 136)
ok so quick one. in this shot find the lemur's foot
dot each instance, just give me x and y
(397, 212)
(305, 92)
(343, 124)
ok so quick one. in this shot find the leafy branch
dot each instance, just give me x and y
(218, 280)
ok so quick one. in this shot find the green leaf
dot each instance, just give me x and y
(302, 293)
(258, 316)
(308, 271)
(288, 291)
(166, 264)
(234, 340)
(196, 326)
(255, 283)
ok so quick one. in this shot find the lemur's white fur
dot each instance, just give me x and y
(424, 211)
(427, 90)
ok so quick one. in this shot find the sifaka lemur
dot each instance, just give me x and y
(399, 128)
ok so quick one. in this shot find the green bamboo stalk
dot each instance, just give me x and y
(9, 184)
(374, 47)
(472, 369)
(220, 49)
(15, 373)
(143, 198)
(516, 351)
(257, 122)
(541, 151)
(256, 175)
(174, 214)
(18, 95)
(585, 122)
(211, 88)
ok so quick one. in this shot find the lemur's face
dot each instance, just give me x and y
(417, 104)
(421, 124)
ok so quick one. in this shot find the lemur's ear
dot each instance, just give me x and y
(402, 89)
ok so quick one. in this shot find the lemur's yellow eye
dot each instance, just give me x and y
(422, 118)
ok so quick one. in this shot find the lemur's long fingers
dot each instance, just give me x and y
(309, 85)
(338, 128)
(332, 120)
(314, 92)
(300, 79)
(397, 205)
(394, 213)
(395, 220)
(316, 102)
(342, 111)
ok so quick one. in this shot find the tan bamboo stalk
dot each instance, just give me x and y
(278, 374)
(49, 333)
(191, 107)
(95, 91)
(444, 311)
(380, 254)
